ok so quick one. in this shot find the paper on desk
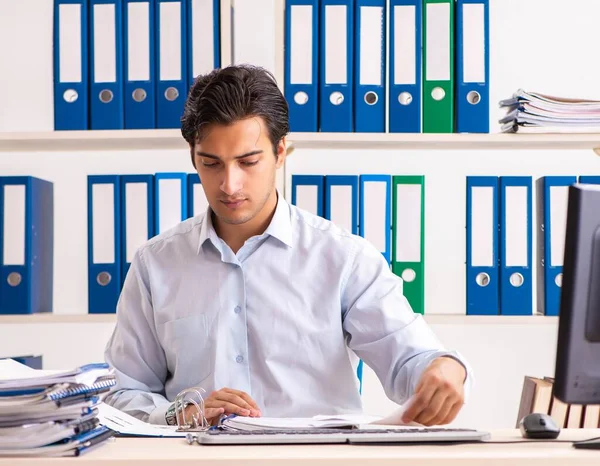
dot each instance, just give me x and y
(395, 418)
(125, 424)
(243, 423)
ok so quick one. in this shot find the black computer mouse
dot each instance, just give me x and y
(539, 425)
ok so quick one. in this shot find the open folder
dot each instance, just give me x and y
(130, 426)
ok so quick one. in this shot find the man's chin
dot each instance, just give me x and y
(237, 218)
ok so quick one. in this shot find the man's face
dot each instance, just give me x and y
(237, 167)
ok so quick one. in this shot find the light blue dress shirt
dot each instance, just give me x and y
(284, 320)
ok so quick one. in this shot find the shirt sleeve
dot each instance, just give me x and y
(382, 329)
(135, 353)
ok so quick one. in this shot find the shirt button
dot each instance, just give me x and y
(239, 359)
(237, 310)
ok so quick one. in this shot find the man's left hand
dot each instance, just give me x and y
(439, 394)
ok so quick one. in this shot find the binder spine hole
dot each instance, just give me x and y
(106, 96)
(517, 280)
(301, 98)
(409, 275)
(70, 96)
(371, 98)
(405, 98)
(171, 94)
(437, 93)
(14, 279)
(558, 280)
(473, 97)
(139, 95)
(482, 279)
(336, 98)
(103, 278)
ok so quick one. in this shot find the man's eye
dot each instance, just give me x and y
(249, 164)
(209, 164)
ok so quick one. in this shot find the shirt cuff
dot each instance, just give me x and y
(468, 383)
(158, 415)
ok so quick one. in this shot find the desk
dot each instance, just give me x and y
(164, 452)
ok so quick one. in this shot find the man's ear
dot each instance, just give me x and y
(281, 152)
(192, 155)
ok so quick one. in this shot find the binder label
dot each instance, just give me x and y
(170, 41)
(341, 206)
(136, 214)
(203, 29)
(438, 42)
(408, 223)
(169, 204)
(336, 49)
(371, 44)
(301, 43)
(138, 41)
(103, 223)
(474, 43)
(516, 226)
(405, 59)
(559, 196)
(482, 227)
(375, 194)
(14, 225)
(307, 198)
(70, 43)
(105, 44)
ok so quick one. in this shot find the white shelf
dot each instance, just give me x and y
(50, 318)
(161, 139)
(53, 141)
(436, 319)
(453, 141)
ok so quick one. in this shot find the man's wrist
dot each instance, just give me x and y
(170, 415)
(157, 416)
(460, 366)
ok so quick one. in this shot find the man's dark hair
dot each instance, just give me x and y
(230, 94)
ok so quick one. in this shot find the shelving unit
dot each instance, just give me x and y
(436, 319)
(161, 139)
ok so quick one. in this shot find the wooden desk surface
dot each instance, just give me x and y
(163, 452)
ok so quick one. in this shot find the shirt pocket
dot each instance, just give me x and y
(187, 349)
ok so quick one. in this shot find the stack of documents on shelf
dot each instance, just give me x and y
(51, 413)
(529, 112)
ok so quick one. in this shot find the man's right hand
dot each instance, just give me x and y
(226, 401)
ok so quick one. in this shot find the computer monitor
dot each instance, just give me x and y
(577, 374)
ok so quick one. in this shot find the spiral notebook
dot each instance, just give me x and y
(97, 387)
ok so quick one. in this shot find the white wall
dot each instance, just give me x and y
(539, 45)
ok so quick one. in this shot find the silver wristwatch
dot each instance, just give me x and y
(170, 416)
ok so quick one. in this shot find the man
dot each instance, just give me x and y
(263, 305)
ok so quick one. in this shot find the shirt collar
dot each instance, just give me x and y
(280, 227)
(281, 223)
(207, 231)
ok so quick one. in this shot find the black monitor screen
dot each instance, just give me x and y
(577, 377)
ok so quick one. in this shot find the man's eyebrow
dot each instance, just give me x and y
(216, 157)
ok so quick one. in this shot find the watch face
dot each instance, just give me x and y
(170, 416)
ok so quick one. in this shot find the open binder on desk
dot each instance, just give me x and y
(322, 429)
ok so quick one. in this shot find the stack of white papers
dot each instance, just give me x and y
(14, 375)
(529, 112)
(51, 413)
